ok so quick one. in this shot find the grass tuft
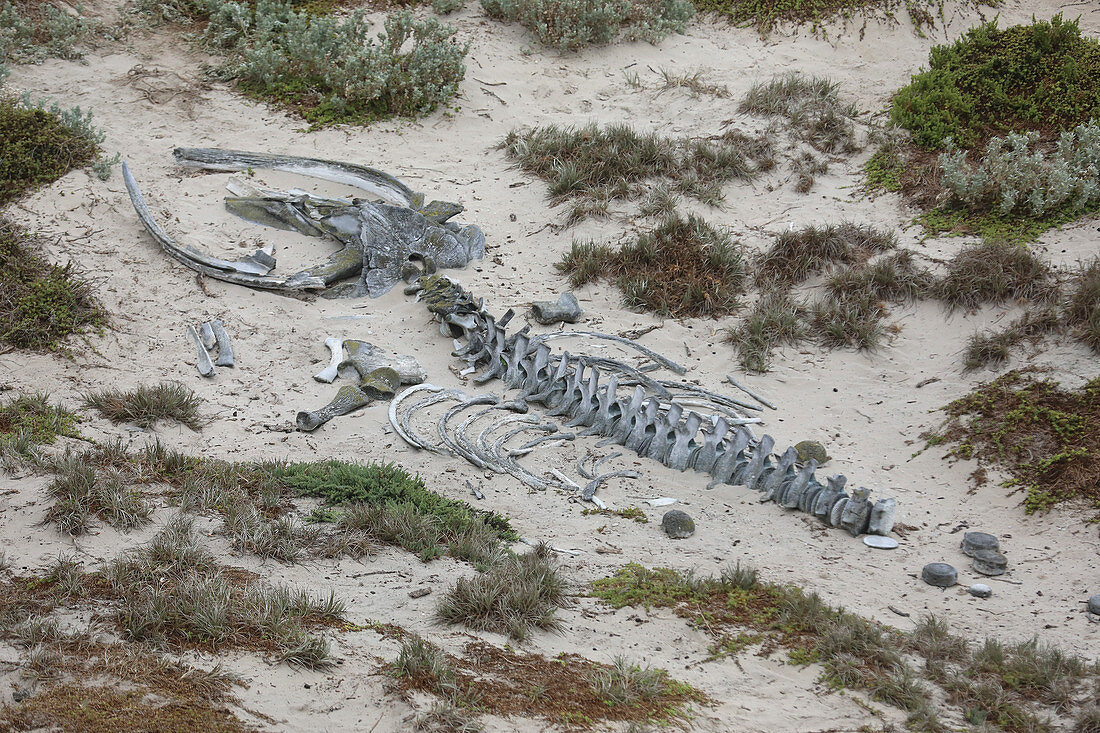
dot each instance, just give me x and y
(572, 24)
(684, 267)
(993, 273)
(1082, 306)
(515, 595)
(795, 255)
(775, 320)
(144, 405)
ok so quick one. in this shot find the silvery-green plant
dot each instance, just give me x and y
(58, 34)
(1015, 178)
(572, 24)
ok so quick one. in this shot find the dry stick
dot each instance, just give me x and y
(749, 392)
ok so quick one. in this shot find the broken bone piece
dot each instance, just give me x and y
(364, 357)
(879, 542)
(203, 363)
(225, 346)
(977, 541)
(988, 562)
(378, 385)
(980, 590)
(348, 398)
(206, 333)
(565, 309)
(336, 350)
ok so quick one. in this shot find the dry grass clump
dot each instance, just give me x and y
(80, 493)
(1047, 438)
(572, 24)
(605, 164)
(992, 348)
(173, 592)
(993, 273)
(32, 418)
(684, 267)
(811, 107)
(775, 320)
(694, 82)
(1082, 307)
(848, 321)
(515, 595)
(795, 255)
(895, 277)
(144, 405)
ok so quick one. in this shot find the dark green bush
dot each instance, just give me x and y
(991, 81)
(37, 147)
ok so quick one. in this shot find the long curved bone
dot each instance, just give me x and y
(401, 424)
(251, 270)
(649, 353)
(441, 425)
(373, 181)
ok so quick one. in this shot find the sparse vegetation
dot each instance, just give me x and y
(561, 690)
(854, 652)
(766, 15)
(1045, 437)
(80, 493)
(993, 273)
(684, 267)
(992, 348)
(144, 406)
(795, 255)
(34, 31)
(572, 24)
(35, 419)
(41, 304)
(518, 593)
(1082, 306)
(775, 320)
(811, 108)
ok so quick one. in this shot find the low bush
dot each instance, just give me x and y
(572, 24)
(994, 81)
(1013, 177)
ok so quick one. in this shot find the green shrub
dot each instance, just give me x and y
(572, 24)
(329, 69)
(1016, 178)
(991, 81)
(446, 7)
(41, 304)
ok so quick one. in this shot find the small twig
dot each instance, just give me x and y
(928, 381)
(380, 716)
(1006, 580)
(898, 611)
(489, 83)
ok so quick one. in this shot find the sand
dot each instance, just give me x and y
(869, 409)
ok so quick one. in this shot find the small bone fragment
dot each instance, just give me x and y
(225, 346)
(364, 357)
(207, 334)
(203, 364)
(336, 350)
(565, 310)
(660, 501)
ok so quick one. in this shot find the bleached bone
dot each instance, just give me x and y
(225, 346)
(202, 362)
(328, 374)
(206, 333)
(565, 309)
(364, 357)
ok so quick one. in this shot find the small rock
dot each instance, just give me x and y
(1094, 604)
(939, 574)
(808, 449)
(677, 524)
(20, 695)
(974, 541)
(988, 562)
(980, 590)
(419, 592)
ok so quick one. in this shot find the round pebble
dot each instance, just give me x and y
(1094, 604)
(677, 524)
(879, 542)
(980, 590)
(939, 574)
(974, 541)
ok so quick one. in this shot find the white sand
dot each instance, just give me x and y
(866, 408)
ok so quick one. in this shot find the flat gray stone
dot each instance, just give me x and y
(980, 590)
(677, 524)
(880, 542)
(988, 562)
(939, 574)
(974, 541)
